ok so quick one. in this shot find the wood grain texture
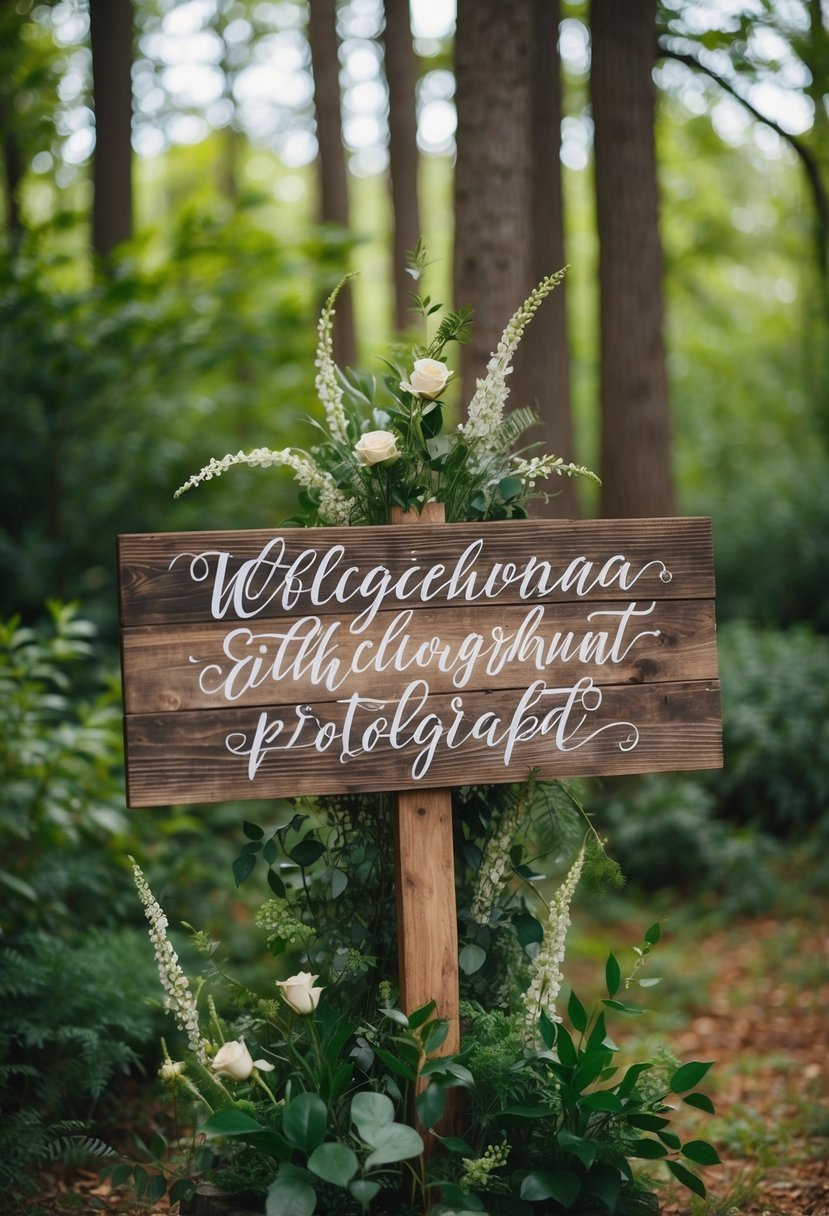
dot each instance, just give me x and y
(156, 585)
(162, 665)
(183, 757)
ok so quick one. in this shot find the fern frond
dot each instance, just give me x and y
(453, 328)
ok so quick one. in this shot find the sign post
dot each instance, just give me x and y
(263, 664)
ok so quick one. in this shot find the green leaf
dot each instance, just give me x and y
(621, 1007)
(140, 1178)
(628, 1082)
(701, 1153)
(120, 1173)
(612, 975)
(276, 884)
(370, 1111)
(471, 959)
(334, 1162)
(156, 1187)
(510, 487)
(269, 851)
(339, 882)
(688, 1179)
(251, 848)
(290, 1197)
(158, 1146)
(653, 934)
(363, 1191)
(456, 1144)
(230, 1122)
(304, 1121)
(648, 1123)
(394, 1064)
(242, 868)
(564, 1046)
(393, 1142)
(603, 1183)
(577, 1013)
(435, 1035)
(701, 1102)
(688, 1075)
(528, 929)
(560, 1185)
(648, 1150)
(530, 1112)
(547, 1030)
(430, 1104)
(252, 830)
(579, 1146)
(418, 1016)
(602, 1100)
(182, 1191)
(307, 852)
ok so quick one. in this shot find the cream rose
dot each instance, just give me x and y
(299, 992)
(428, 379)
(377, 447)
(234, 1060)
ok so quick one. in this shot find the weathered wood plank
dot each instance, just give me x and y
(208, 665)
(186, 757)
(203, 576)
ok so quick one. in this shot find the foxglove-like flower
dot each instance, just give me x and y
(178, 998)
(486, 409)
(328, 386)
(545, 972)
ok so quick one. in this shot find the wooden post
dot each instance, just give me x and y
(424, 872)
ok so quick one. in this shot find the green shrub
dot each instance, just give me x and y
(775, 730)
(73, 1018)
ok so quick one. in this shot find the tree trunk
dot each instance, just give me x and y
(493, 174)
(401, 76)
(331, 170)
(110, 23)
(542, 376)
(508, 206)
(636, 426)
(12, 171)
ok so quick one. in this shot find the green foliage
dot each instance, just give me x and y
(73, 1019)
(60, 757)
(110, 389)
(776, 729)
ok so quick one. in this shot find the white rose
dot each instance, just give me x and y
(234, 1060)
(428, 379)
(299, 992)
(377, 447)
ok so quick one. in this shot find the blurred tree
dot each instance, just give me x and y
(543, 376)
(331, 169)
(110, 27)
(508, 206)
(636, 426)
(400, 77)
(766, 46)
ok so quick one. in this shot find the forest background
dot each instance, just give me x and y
(182, 184)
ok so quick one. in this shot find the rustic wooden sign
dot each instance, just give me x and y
(259, 664)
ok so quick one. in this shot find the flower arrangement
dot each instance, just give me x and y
(326, 1097)
(320, 1095)
(388, 446)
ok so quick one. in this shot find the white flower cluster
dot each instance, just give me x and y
(495, 862)
(328, 386)
(477, 1170)
(178, 997)
(545, 972)
(335, 507)
(486, 409)
(538, 467)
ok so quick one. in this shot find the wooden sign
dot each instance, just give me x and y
(259, 664)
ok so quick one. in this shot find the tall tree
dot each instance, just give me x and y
(543, 375)
(331, 168)
(508, 204)
(636, 425)
(401, 76)
(110, 26)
